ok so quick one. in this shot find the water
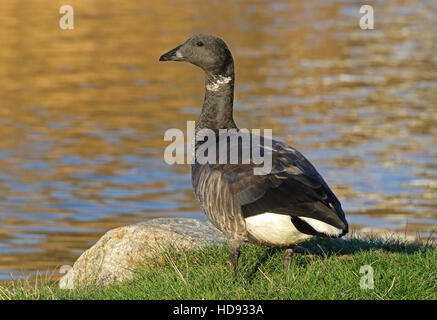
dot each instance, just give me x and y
(83, 112)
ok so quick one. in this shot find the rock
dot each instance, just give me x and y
(116, 255)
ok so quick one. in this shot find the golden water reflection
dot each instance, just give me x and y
(83, 112)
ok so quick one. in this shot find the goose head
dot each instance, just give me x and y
(208, 52)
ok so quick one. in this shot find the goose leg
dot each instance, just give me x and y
(286, 259)
(234, 253)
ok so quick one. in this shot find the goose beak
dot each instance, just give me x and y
(172, 55)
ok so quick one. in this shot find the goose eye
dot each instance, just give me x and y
(199, 43)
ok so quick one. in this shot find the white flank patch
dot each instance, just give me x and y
(274, 229)
(178, 54)
(218, 83)
(322, 227)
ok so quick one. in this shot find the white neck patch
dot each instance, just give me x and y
(219, 81)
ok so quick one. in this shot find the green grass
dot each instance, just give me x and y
(401, 271)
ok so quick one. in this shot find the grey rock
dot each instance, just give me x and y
(120, 251)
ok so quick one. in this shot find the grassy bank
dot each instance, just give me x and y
(401, 271)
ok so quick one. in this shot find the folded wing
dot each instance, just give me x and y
(293, 187)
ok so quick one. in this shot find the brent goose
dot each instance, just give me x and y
(289, 205)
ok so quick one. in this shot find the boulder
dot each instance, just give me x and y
(120, 251)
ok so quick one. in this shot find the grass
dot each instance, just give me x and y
(401, 271)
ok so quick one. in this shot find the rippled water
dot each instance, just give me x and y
(83, 112)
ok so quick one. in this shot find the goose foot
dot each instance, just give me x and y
(286, 259)
(234, 253)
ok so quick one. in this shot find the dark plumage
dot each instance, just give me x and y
(288, 205)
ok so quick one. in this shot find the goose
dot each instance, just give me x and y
(282, 208)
